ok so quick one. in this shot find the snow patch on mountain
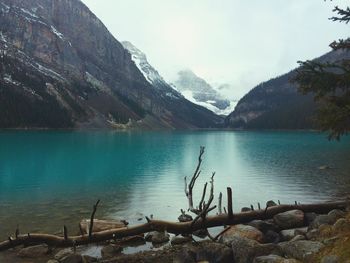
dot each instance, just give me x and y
(140, 60)
(202, 93)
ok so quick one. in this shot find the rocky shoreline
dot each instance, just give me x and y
(292, 236)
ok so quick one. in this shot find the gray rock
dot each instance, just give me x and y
(309, 218)
(241, 231)
(75, 258)
(271, 237)
(88, 259)
(245, 250)
(52, 261)
(159, 237)
(263, 226)
(330, 259)
(34, 251)
(336, 214)
(205, 252)
(110, 251)
(312, 234)
(214, 253)
(302, 250)
(322, 220)
(273, 259)
(178, 240)
(341, 225)
(289, 234)
(289, 219)
(298, 237)
(63, 253)
(201, 233)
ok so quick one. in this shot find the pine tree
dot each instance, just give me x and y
(330, 84)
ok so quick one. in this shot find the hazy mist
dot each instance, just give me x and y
(238, 42)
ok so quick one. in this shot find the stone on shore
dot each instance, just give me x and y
(110, 251)
(274, 259)
(74, 258)
(63, 253)
(263, 226)
(289, 234)
(289, 219)
(34, 251)
(242, 231)
(245, 250)
(302, 250)
(157, 237)
(178, 240)
(101, 225)
(206, 252)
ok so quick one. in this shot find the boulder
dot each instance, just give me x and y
(312, 234)
(34, 251)
(74, 258)
(205, 252)
(110, 251)
(274, 259)
(242, 231)
(330, 259)
(89, 259)
(214, 253)
(302, 250)
(271, 237)
(289, 234)
(341, 225)
(328, 219)
(245, 250)
(289, 219)
(336, 214)
(178, 240)
(263, 226)
(63, 253)
(157, 237)
(310, 217)
(101, 225)
(201, 233)
(298, 237)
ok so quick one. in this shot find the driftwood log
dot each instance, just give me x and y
(170, 227)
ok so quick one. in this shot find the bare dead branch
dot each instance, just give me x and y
(92, 218)
(189, 188)
(170, 227)
(220, 203)
(229, 202)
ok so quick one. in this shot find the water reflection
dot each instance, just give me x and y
(48, 179)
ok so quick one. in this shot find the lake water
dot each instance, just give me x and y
(49, 179)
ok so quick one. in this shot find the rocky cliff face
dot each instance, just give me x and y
(60, 67)
(277, 104)
(199, 91)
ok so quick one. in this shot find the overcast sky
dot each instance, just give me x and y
(241, 42)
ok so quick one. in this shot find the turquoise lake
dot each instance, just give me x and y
(49, 179)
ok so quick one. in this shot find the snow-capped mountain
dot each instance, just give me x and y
(202, 93)
(60, 67)
(140, 59)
